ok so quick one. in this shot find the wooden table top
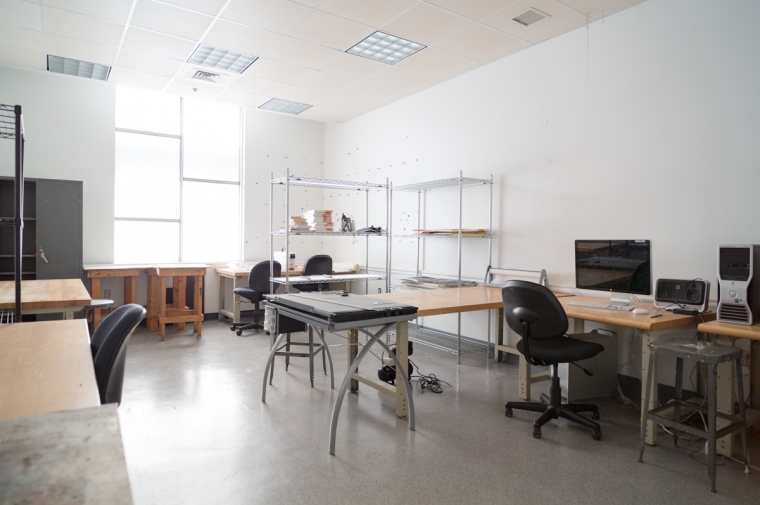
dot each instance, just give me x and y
(177, 269)
(751, 332)
(108, 270)
(45, 294)
(435, 302)
(46, 367)
(233, 272)
(627, 318)
(67, 458)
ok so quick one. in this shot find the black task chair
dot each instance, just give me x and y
(535, 313)
(258, 286)
(321, 264)
(109, 349)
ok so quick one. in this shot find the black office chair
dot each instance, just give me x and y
(321, 264)
(258, 286)
(109, 350)
(535, 313)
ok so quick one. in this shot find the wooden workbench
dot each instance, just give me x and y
(159, 315)
(46, 367)
(47, 296)
(97, 272)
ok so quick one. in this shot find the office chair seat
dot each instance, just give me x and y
(250, 294)
(562, 349)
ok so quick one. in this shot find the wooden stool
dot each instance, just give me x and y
(159, 314)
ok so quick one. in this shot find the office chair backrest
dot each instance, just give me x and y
(316, 265)
(552, 320)
(258, 279)
(109, 350)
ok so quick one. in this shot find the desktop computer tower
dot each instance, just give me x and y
(738, 287)
(576, 385)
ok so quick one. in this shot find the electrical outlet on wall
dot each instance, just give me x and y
(107, 293)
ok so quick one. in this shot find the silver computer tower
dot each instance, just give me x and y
(738, 287)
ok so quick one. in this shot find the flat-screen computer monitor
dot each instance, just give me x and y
(620, 267)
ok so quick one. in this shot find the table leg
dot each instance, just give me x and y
(651, 429)
(725, 399)
(130, 292)
(754, 381)
(238, 283)
(178, 295)
(197, 304)
(68, 314)
(222, 285)
(353, 351)
(402, 353)
(162, 307)
(95, 293)
(153, 286)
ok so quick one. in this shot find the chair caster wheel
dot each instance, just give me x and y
(595, 415)
(267, 333)
(232, 328)
(597, 435)
(239, 332)
(508, 411)
(536, 432)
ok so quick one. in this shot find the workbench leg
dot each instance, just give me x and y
(179, 285)
(725, 399)
(402, 353)
(754, 381)
(353, 351)
(95, 293)
(162, 307)
(153, 285)
(498, 332)
(646, 339)
(239, 282)
(130, 292)
(68, 314)
(222, 285)
(197, 304)
(524, 378)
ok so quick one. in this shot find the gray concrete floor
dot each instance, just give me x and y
(195, 431)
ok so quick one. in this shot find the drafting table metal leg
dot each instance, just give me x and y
(321, 335)
(270, 364)
(725, 399)
(402, 353)
(650, 384)
(353, 350)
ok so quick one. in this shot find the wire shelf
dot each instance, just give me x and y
(441, 184)
(440, 235)
(8, 122)
(329, 233)
(328, 183)
(321, 279)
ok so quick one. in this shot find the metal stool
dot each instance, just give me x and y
(96, 304)
(711, 355)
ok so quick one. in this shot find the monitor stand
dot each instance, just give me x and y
(620, 298)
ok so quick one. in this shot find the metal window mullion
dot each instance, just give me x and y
(210, 181)
(181, 177)
(147, 219)
(154, 134)
(241, 180)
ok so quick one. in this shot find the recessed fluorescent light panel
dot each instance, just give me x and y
(224, 59)
(530, 17)
(79, 68)
(286, 106)
(385, 48)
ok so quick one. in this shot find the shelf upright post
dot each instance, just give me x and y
(271, 234)
(419, 209)
(490, 231)
(459, 274)
(388, 233)
(19, 224)
(287, 230)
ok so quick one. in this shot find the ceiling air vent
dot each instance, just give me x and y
(79, 68)
(223, 59)
(530, 17)
(202, 75)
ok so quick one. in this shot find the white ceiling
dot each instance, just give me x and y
(301, 44)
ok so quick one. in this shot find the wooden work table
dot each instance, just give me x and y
(47, 296)
(97, 272)
(159, 314)
(46, 367)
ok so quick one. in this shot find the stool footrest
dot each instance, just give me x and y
(736, 425)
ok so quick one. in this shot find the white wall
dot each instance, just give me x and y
(643, 127)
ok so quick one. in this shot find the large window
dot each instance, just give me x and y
(178, 165)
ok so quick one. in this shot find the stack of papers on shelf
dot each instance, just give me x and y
(319, 220)
(297, 223)
(454, 231)
(433, 283)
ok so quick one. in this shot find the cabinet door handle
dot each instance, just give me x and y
(42, 255)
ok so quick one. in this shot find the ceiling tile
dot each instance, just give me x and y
(158, 44)
(369, 92)
(572, 25)
(23, 38)
(462, 70)
(24, 14)
(113, 10)
(325, 114)
(242, 98)
(275, 15)
(193, 89)
(586, 6)
(558, 15)
(299, 52)
(211, 7)
(416, 89)
(476, 41)
(83, 27)
(432, 61)
(257, 85)
(276, 70)
(80, 49)
(331, 31)
(345, 103)
(612, 8)
(139, 79)
(514, 48)
(303, 95)
(324, 81)
(398, 78)
(349, 65)
(425, 24)
(170, 20)
(473, 9)
(241, 38)
(147, 63)
(370, 13)
(22, 57)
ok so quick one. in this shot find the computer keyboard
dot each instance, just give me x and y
(607, 305)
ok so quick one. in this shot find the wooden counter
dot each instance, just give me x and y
(46, 296)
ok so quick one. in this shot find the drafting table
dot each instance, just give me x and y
(356, 313)
(48, 296)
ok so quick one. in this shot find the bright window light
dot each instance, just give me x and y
(385, 48)
(146, 242)
(286, 106)
(212, 141)
(211, 221)
(148, 111)
(79, 68)
(224, 59)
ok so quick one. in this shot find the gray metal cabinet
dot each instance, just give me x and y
(59, 229)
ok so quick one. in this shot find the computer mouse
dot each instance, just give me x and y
(639, 311)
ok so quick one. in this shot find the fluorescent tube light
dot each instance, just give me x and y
(286, 106)
(217, 57)
(385, 48)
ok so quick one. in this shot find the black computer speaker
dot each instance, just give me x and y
(683, 292)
